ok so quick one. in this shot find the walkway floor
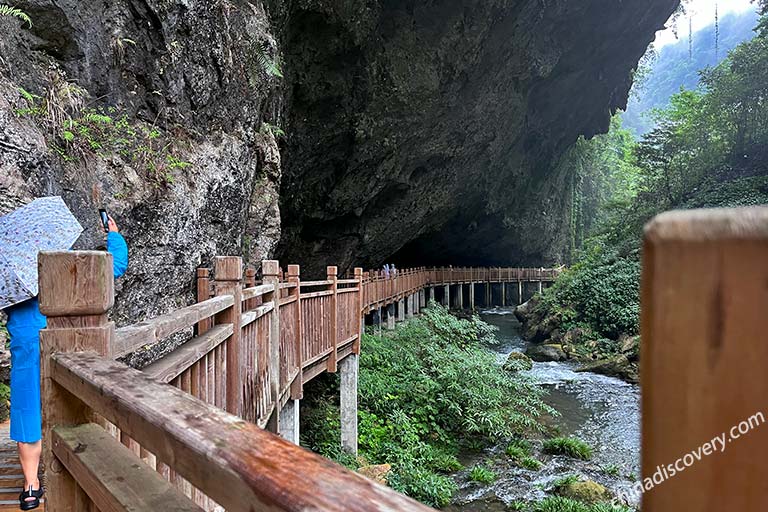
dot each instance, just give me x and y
(11, 477)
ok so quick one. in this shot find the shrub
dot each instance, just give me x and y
(530, 463)
(425, 389)
(482, 474)
(568, 446)
(561, 504)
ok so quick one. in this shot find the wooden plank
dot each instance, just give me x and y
(234, 462)
(310, 295)
(135, 336)
(114, 479)
(251, 316)
(172, 365)
(257, 291)
(704, 324)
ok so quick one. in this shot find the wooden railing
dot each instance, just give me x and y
(200, 437)
(247, 348)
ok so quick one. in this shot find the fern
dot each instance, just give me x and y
(7, 10)
(271, 129)
(270, 66)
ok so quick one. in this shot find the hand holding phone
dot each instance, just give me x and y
(104, 219)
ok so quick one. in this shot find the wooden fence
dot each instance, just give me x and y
(247, 348)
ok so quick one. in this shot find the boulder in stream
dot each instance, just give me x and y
(543, 353)
(587, 491)
(517, 361)
(619, 366)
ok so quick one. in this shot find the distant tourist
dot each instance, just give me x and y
(394, 270)
(386, 271)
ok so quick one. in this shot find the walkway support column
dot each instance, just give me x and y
(422, 298)
(460, 296)
(348, 368)
(401, 310)
(519, 292)
(377, 321)
(289, 421)
(540, 288)
(503, 294)
(447, 296)
(390, 317)
(472, 296)
(76, 292)
(409, 311)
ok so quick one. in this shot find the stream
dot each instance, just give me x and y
(603, 411)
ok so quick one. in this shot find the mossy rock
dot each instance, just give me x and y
(587, 491)
(544, 353)
(517, 361)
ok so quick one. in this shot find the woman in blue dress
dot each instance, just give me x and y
(24, 324)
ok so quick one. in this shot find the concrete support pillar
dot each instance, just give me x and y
(409, 311)
(488, 293)
(377, 321)
(416, 302)
(472, 296)
(519, 292)
(447, 296)
(401, 310)
(503, 294)
(391, 316)
(460, 297)
(430, 294)
(348, 370)
(539, 286)
(423, 298)
(289, 421)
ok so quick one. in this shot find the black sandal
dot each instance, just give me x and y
(25, 503)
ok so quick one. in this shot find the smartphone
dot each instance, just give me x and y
(104, 218)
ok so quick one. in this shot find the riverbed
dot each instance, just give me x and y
(602, 411)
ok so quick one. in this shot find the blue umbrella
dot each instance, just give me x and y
(45, 224)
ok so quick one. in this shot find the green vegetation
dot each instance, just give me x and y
(708, 149)
(7, 10)
(568, 446)
(482, 474)
(520, 451)
(76, 131)
(426, 389)
(612, 470)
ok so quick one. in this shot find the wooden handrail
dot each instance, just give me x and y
(239, 465)
(133, 337)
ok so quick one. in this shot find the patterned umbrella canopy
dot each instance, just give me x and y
(45, 224)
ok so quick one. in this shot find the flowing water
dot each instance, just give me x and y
(603, 411)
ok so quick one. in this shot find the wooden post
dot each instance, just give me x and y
(203, 294)
(294, 276)
(228, 274)
(703, 319)
(76, 292)
(270, 273)
(360, 305)
(332, 275)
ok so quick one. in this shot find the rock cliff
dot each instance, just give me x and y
(419, 131)
(426, 132)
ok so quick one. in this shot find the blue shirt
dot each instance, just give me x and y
(25, 320)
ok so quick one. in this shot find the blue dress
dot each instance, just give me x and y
(24, 324)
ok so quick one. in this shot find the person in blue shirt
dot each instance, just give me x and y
(24, 324)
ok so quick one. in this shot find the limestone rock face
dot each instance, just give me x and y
(428, 130)
(186, 78)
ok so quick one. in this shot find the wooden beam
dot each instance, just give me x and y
(76, 292)
(173, 364)
(270, 270)
(149, 332)
(228, 272)
(239, 465)
(114, 479)
(704, 350)
(333, 320)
